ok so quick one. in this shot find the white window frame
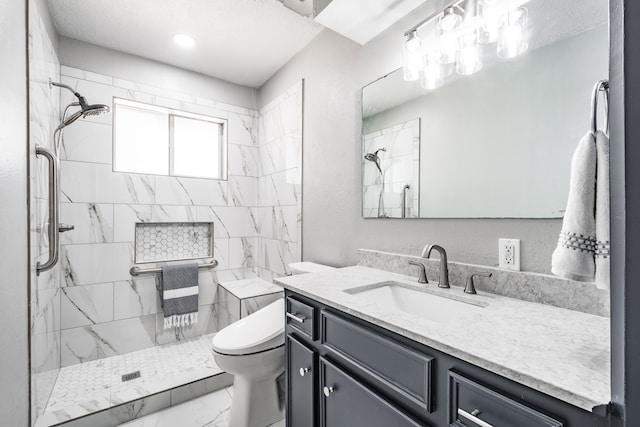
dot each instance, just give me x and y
(171, 113)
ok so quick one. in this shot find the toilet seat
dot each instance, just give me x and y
(259, 331)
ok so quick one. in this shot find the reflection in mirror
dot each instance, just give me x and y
(498, 143)
(391, 184)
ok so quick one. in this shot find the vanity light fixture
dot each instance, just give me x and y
(184, 40)
(511, 40)
(460, 28)
(412, 54)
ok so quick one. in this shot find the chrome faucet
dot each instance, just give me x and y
(422, 278)
(444, 270)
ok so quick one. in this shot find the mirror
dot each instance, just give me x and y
(495, 144)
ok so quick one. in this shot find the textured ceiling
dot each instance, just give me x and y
(240, 41)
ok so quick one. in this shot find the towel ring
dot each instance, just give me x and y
(601, 86)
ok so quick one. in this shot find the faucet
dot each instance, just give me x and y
(422, 278)
(444, 270)
(471, 288)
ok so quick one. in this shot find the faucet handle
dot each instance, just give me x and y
(422, 278)
(471, 288)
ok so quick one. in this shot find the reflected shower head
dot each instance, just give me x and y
(85, 108)
(373, 157)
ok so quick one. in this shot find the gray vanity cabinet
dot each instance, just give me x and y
(345, 372)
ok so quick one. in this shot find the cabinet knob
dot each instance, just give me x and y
(328, 390)
(303, 371)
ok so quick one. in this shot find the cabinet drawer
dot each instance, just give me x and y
(300, 317)
(474, 405)
(397, 367)
(301, 384)
(348, 403)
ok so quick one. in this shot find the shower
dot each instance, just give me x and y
(84, 111)
(373, 157)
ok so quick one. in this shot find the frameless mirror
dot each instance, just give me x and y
(495, 144)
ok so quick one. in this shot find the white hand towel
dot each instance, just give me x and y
(602, 250)
(574, 255)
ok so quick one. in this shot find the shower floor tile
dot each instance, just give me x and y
(211, 410)
(93, 386)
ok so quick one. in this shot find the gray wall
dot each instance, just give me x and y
(14, 317)
(335, 69)
(101, 60)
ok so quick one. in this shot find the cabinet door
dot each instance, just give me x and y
(348, 403)
(301, 373)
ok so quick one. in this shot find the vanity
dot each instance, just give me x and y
(366, 347)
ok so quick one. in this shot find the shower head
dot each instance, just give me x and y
(85, 108)
(373, 157)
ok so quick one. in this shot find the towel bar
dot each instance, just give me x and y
(136, 271)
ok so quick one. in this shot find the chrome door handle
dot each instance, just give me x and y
(328, 390)
(63, 228)
(54, 231)
(295, 317)
(472, 417)
(303, 371)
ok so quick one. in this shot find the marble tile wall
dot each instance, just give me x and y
(239, 298)
(104, 311)
(534, 287)
(280, 183)
(44, 111)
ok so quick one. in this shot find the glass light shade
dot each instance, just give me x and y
(490, 19)
(432, 72)
(511, 40)
(469, 58)
(412, 57)
(447, 25)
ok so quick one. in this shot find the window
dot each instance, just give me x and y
(161, 141)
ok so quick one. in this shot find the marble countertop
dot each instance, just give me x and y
(562, 353)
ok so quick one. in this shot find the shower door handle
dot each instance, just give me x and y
(53, 232)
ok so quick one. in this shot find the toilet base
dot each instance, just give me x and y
(256, 402)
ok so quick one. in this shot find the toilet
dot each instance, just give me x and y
(252, 350)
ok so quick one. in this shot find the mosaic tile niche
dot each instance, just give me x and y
(171, 241)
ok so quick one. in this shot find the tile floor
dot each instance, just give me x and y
(211, 410)
(96, 385)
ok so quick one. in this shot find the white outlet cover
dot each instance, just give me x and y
(502, 254)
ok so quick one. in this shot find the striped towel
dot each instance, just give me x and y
(180, 294)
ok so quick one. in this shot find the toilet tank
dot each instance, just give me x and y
(307, 267)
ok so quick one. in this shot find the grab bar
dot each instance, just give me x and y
(404, 200)
(136, 271)
(53, 232)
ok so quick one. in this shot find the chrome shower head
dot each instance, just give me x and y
(85, 108)
(373, 157)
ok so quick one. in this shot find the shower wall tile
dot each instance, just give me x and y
(126, 216)
(97, 263)
(243, 129)
(276, 255)
(244, 160)
(45, 352)
(86, 305)
(87, 142)
(136, 297)
(207, 324)
(95, 183)
(191, 191)
(221, 253)
(93, 223)
(243, 252)
(243, 191)
(107, 339)
(280, 190)
(86, 75)
(230, 221)
(45, 311)
(251, 305)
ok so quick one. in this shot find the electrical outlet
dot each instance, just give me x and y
(509, 254)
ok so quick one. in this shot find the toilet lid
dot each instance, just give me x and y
(259, 331)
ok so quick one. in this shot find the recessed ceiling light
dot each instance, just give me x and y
(183, 40)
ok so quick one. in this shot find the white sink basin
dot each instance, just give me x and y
(419, 302)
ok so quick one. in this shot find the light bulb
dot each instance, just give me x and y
(447, 25)
(183, 40)
(412, 56)
(490, 19)
(432, 73)
(511, 40)
(469, 59)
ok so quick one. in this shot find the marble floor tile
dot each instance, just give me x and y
(210, 410)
